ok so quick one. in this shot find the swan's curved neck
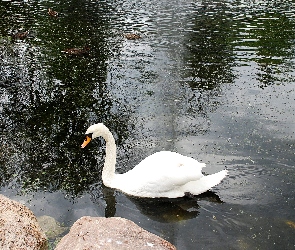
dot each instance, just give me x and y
(108, 172)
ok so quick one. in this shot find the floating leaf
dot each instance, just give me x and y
(290, 223)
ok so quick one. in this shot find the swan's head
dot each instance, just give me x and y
(94, 131)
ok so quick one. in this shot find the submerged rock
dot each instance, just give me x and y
(110, 233)
(18, 227)
(50, 226)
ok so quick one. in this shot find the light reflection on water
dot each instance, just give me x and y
(212, 80)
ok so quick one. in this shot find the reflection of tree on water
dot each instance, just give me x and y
(47, 129)
(274, 48)
(47, 101)
(207, 64)
(265, 35)
(208, 54)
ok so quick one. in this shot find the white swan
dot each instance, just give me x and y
(163, 174)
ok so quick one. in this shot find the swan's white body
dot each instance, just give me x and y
(163, 174)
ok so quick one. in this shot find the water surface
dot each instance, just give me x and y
(213, 80)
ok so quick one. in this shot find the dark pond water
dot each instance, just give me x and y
(213, 80)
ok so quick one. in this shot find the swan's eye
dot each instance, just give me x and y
(88, 135)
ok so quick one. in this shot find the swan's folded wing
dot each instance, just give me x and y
(159, 174)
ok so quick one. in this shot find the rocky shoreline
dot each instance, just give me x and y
(19, 229)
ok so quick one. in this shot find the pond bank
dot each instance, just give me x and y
(20, 230)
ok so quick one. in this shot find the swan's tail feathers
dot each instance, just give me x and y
(205, 183)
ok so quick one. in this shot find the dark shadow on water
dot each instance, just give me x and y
(163, 210)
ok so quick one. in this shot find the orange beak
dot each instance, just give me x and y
(86, 141)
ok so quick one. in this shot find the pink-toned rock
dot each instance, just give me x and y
(110, 233)
(19, 228)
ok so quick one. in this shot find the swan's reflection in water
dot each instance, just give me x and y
(167, 210)
(161, 209)
(110, 199)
